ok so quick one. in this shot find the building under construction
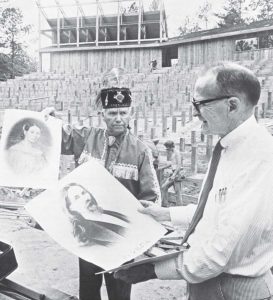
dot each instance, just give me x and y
(97, 35)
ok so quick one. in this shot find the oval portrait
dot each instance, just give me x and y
(28, 147)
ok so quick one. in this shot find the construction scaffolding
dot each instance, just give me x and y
(101, 23)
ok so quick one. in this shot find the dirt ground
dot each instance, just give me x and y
(42, 264)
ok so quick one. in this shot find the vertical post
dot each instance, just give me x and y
(154, 117)
(144, 110)
(79, 114)
(183, 118)
(190, 113)
(160, 21)
(173, 124)
(176, 104)
(78, 29)
(189, 97)
(269, 100)
(182, 144)
(193, 137)
(193, 152)
(135, 127)
(164, 126)
(58, 28)
(40, 62)
(209, 146)
(137, 112)
(263, 110)
(171, 109)
(146, 124)
(39, 43)
(118, 24)
(183, 99)
(99, 120)
(153, 133)
(163, 112)
(69, 117)
(139, 22)
(97, 24)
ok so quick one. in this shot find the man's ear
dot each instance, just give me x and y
(234, 104)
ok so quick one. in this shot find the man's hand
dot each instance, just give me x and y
(136, 274)
(48, 111)
(51, 111)
(159, 213)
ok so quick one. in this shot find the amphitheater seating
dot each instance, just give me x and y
(161, 103)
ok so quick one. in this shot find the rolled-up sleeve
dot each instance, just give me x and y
(182, 215)
(169, 269)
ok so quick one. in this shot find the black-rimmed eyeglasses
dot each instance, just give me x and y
(196, 103)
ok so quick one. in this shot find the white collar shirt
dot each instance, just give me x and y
(235, 235)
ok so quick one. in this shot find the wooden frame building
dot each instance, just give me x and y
(80, 42)
(132, 38)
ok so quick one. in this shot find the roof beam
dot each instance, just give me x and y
(100, 8)
(84, 3)
(60, 8)
(41, 8)
(80, 7)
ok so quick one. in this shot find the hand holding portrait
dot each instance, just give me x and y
(136, 274)
(159, 213)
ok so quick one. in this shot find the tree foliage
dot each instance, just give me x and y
(154, 5)
(14, 59)
(264, 8)
(233, 14)
(193, 24)
(204, 13)
(188, 26)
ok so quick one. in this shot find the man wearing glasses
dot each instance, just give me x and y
(230, 248)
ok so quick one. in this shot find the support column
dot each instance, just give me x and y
(77, 30)
(97, 25)
(139, 22)
(118, 25)
(58, 28)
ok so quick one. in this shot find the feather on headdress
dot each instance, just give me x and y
(113, 94)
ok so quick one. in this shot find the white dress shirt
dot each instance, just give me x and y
(235, 235)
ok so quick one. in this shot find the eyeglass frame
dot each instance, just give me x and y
(196, 103)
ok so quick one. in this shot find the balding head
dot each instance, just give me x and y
(224, 97)
(231, 79)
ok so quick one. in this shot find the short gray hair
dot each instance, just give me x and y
(234, 79)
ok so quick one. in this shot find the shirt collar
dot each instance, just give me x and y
(240, 133)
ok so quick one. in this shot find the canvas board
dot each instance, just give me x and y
(30, 149)
(91, 214)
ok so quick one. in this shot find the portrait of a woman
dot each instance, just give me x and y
(25, 157)
(91, 224)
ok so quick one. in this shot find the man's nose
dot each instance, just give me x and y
(118, 118)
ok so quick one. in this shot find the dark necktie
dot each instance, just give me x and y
(205, 191)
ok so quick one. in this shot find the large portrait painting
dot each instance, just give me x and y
(94, 216)
(29, 150)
